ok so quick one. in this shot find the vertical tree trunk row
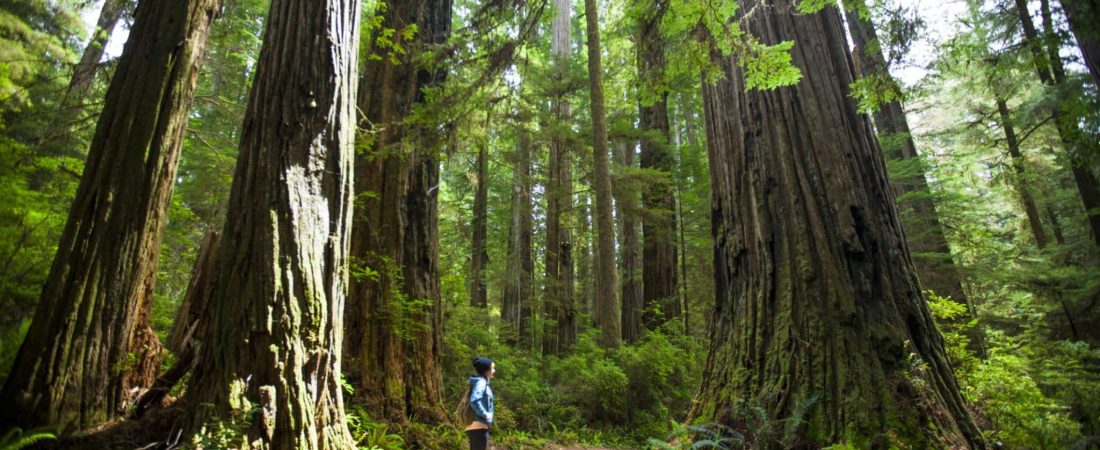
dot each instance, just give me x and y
(272, 366)
(394, 314)
(89, 348)
(516, 307)
(607, 312)
(817, 296)
(627, 206)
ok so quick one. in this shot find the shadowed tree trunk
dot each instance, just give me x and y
(1048, 65)
(479, 257)
(394, 316)
(272, 365)
(561, 326)
(516, 306)
(1027, 200)
(924, 232)
(816, 293)
(626, 202)
(1084, 21)
(90, 348)
(659, 254)
(606, 308)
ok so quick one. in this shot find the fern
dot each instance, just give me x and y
(16, 438)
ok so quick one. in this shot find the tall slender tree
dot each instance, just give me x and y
(479, 255)
(606, 306)
(659, 254)
(1048, 64)
(516, 307)
(275, 308)
(1019, 166)
(394, 315)
(626, 207)
(558, 299)
(93, 314)
(816, 294)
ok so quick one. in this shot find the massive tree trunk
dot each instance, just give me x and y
(923, 230)
(1049, 66)
(394, 316)
(606, 302)
(1084, 21)
(659, 254)
(272, 365)
(626, 203)
(558, 303)
(1019, 164)
(92, 316)
(816, 293)
(516, 306)
(479, 256)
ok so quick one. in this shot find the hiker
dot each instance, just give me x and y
(481, 402)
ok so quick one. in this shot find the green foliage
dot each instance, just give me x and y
(769, 66)
(18, 439)
(873, 91)
(371, 435)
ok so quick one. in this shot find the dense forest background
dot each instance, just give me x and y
(613, 200)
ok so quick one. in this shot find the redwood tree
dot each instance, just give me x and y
(558, 302)
(93, 314)
(272, 361)
(394, 314)
(659, 253)
(817, 297)
(606, 308)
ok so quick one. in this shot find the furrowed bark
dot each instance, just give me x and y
(817, 296)
(271, 367)
(606, 308)
(659, 253)
(559, 308)
(626, 202)
(90, 350)
(394, 318)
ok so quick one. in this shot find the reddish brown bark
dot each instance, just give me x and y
(606, 308)
(270, 367)
(89, 349)
(659, 254)
(394, 316)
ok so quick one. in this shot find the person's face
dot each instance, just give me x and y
(492, 370)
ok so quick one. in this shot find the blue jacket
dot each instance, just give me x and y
(481, 400)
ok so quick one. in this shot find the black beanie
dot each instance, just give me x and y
(482, 365)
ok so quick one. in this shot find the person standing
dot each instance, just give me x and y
(481, 401)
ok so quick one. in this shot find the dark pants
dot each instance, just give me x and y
(479, 439)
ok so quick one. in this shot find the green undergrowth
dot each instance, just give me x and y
(591, 396)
